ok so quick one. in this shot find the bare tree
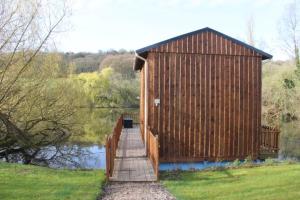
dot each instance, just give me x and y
(34, 112)
(250, 30)
(289, 31)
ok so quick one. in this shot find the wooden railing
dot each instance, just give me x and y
(112, 145)
(134, 116)
(269, 139)
(142, 131)
(153, 150)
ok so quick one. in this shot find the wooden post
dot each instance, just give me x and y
(157, 156)
(107, 152)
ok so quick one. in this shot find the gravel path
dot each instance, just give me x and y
(135, 191)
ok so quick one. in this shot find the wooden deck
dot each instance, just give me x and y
(131, 163)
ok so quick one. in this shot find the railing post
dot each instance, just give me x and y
(153, 150)
(157, 157)
(107, 157)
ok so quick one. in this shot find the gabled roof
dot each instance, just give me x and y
(144, 51)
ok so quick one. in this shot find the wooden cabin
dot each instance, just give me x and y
(201, 94)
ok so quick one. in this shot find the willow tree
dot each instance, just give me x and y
(36, 110)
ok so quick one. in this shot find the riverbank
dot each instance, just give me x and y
(31, 182)
(24, 182)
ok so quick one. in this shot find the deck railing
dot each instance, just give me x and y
(112, 145)
(113, 139)
(136, 120)
(134, 116)
(142, 131)
(153, 150)
(269, 139)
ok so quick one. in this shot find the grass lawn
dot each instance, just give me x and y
(265, 182)
(31, 182)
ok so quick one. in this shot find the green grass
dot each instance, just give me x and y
(266, 182)
(30, 182)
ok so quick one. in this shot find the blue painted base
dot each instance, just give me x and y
(195, 165)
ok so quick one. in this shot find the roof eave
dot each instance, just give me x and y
(144, 51)
(138, 62)
(266, 56)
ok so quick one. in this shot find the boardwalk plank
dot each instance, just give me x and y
(131, 163)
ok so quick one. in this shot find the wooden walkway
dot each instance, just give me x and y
(131, 163)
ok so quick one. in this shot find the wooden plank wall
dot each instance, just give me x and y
(210, 99)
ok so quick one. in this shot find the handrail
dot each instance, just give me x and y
(111, 146)
(269, 138)
(153, 150)
(142, 130)
(134, 116)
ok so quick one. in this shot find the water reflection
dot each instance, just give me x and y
(96, 159)
(96, 123)
(84, 157)
(87, 149)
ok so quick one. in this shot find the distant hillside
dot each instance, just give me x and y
(121, 61)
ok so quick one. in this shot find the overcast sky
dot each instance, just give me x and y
(132, 24)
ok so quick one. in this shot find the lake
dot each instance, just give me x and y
(88, 144)
(84, 157)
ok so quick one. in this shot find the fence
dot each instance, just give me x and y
(153, 150)
(269, 139)
(136, 120)
(134, 116)
(112, 145)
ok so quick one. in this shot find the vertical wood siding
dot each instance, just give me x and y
(210, 99)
